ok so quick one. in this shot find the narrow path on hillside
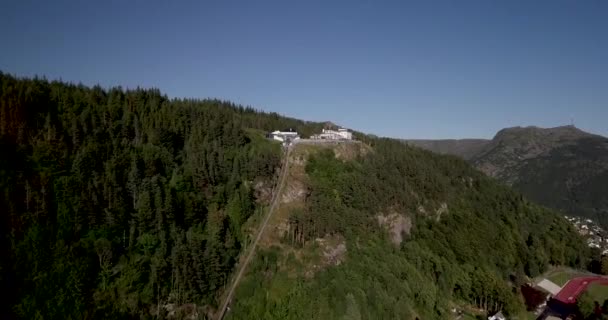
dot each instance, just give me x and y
(243, 266)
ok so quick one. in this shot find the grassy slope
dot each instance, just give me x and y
(598, 292)
(561, 275)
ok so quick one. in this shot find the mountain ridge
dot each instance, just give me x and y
(560, 167)
(463, 148)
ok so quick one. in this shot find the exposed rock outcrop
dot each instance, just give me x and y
(262, 191)
(396, 224)
(295, 190)
(334, 250)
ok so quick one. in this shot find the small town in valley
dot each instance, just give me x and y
(595, 236)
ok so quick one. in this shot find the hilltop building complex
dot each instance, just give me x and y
(340, 134)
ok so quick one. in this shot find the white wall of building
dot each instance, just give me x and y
(345, 133)
(336, 135)
(284, 135)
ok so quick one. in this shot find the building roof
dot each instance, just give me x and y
(549, 286)
(277, 132)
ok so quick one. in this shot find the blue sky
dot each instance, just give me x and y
(409, 69)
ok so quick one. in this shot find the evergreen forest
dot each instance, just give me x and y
(126, 204)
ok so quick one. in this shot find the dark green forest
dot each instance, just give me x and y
(570, 178)
(125, 204)
(563, 168)
(115, 203)
(476, 253)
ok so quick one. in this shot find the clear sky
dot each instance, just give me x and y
(409, 69)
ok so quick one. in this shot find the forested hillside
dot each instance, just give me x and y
(123, 203)
(465, 240)
(562, 168)
(464, 148)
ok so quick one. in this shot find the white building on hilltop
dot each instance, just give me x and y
(284, 136)
(341, 134)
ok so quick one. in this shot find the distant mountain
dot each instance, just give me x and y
(564, 167)
(464, 148)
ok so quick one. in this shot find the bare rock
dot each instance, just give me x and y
(422, 210)
(294, 191)
(441, 210)
(334, 250)
(396, 224)
(262, 191)
(187, 311)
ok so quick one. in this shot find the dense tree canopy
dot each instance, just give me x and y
(472, 243)
(126, 204)
(115, 202)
